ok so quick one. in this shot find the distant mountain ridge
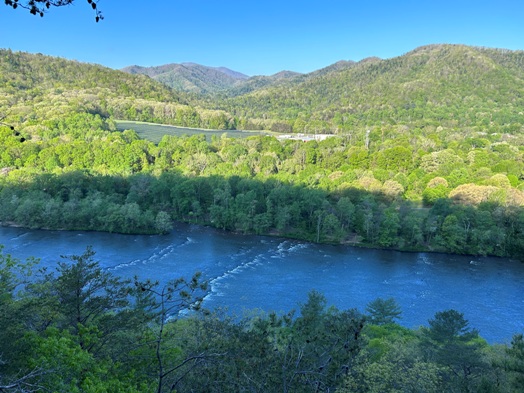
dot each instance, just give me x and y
(200, 79)
(440, 84)
(203, 80)
(191, 77)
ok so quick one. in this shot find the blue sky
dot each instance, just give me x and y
(258, 37)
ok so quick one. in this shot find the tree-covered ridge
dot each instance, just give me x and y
(446, 85)
(422, 184)
(209, 82)
(191, 77)
(26, 72)
(261, 81)
(35, 88)
(82, 329)
(452, 86)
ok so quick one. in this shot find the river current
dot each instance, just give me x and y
(248, 273)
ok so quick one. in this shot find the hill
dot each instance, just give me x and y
(209, 82)
(451, 86)
(191, 77)
(430, 153)
(259, 82)
(436, 85)
(35, 88)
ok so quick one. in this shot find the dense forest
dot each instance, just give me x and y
(81, 329)
(451, 86)
(35, 88)
(397, 190)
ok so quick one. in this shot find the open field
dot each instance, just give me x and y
(154, 132)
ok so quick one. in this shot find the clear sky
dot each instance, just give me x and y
(258, 37)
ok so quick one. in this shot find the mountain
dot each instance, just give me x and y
(338, 66)
(203, 80)
(191, 77)
(448, 85)
(261, 81)
(35, 88)
(452, 86)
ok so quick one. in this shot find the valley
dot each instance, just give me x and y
(181, 177)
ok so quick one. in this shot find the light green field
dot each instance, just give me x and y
(154, 132)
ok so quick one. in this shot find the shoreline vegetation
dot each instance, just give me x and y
(331, 191)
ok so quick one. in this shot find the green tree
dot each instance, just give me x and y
(451, 343)
(163, 222)
(165, 305)
(383, 311)
(516, 361)
(321, 346)
(90, 300)
(399, 369)
(13, 349)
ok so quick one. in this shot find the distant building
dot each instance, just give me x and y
(304, 137)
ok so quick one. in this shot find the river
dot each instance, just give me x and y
(275, 274)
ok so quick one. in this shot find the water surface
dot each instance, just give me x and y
(274, 274)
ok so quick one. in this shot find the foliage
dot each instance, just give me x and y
(58, 88)
(383, 311)
(515, 364)
(40, 7)
(449, 342)
(117, 182)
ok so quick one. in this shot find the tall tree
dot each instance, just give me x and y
(450, 342)
(167, 303)
(383, 311)
(91, 301)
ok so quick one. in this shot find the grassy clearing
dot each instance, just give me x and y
(154, 132)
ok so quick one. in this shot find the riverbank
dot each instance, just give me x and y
(352, 241)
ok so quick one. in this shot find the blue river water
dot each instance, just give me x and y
(249, 273)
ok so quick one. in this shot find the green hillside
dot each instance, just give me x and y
(209, 82)
(437, 85)
(191, 77)
(429, 153)
(35, 88)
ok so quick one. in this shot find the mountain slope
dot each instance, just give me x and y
(191, 77)
(453, 85)
(262, 81)
(35, 88)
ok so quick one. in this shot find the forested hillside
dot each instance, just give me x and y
(402, 191)
(439, 85)
(427, 154)
(191, 77)
(209, 82)
(454, 185)
(36, 88)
